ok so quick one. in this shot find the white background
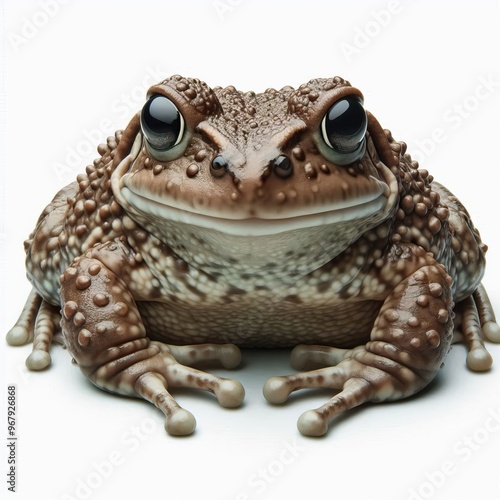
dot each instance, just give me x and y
(75, 75)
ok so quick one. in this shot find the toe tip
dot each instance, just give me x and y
(231, 357)
(17, 335)
(479, 360)
(298, 357)
(181, 423)
(38, 360)
(492, 331)
(230, 394)
(312, 424)
(276, 391)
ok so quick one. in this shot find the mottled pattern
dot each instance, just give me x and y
(248, 232)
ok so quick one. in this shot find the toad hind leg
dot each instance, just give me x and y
(477, 322)
(409, 340)
(487, 318)
(38, 322)
(46, 326)
(105, 334)
(22, 332)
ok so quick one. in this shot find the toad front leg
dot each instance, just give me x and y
(104, 332)
(409, 341)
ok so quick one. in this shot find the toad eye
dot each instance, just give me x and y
(162, 123)
(343, 129)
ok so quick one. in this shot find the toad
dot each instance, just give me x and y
(221, 219)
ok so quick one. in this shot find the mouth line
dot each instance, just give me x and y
(254, 226)
(375, 203)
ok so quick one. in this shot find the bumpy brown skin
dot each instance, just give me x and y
(375, 282)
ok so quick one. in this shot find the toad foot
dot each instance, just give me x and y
(104, 332)
(408, 343)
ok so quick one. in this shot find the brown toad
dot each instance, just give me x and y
(220, 219)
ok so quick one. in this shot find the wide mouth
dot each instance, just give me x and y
(254, 226)
(239, 223)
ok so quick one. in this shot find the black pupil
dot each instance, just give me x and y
(346, 124)
(161, 122)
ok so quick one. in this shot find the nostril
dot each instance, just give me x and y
(219, 166)
(282, 166)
